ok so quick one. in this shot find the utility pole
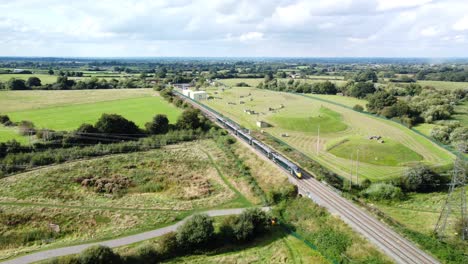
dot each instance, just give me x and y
(351, 168)
(455, 202)
(318, 139)
(357, 167)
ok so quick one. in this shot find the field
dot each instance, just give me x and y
(73, 108)
(165, 185)
(277, 247)
(45, 78)
(253, 82)
(9, 133)
(444, 85)
(336, 123)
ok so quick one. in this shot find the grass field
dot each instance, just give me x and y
(166, 185)
(45, 78)
(304, 138)
(10, 133)
(277, 247)
(444, 85)
(13, 101)
(138, 110)
(66, 110)
(253, 82)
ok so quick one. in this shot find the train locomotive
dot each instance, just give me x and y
(275, 157)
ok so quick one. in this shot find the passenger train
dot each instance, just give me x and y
(275, 157)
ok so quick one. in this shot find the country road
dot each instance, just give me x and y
(58, 252)
(400, 249)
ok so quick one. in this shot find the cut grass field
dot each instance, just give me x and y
(67, 110)
(444, 85)
(166, 185)
(45, 78)
(11, 133)
(358, 125)
(138, 110)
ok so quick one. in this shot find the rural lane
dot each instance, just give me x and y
(58, 252)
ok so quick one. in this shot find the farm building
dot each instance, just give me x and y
(198, 95)
(186, 92)
(262, 124)
(183, 86)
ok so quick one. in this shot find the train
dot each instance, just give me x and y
(292, 168)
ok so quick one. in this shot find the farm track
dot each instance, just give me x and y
(118, 242)
(393, 244)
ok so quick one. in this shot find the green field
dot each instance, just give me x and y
(325, 119)
(67, 110)
(389, 153)
(9, 133)
(444, 85)
(166, 185)
(139, 110)
(303, 136)
(45, 78)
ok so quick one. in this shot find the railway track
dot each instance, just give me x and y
(394, 245)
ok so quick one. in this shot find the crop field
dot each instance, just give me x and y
(444, 85)
(45, 78)
(73, 108)
(337, 124)
(112, 196)
(14, 101)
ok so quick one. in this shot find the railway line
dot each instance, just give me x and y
(394, 245)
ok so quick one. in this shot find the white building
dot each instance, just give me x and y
(198, 95)
(187, 92)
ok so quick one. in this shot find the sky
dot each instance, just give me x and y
(234, 28)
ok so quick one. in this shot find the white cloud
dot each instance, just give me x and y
(430, 32)
(384, 5)
(461, 24)
(251, 36)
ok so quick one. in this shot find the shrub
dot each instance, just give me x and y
(168, 246)
(26, 128)
(99, 255)
(283, 193)
(421, 179)
(242, 84)
(196, 232)
(159, 125)
(358, 108)
(383, 191)
(4, 119)
(116, 124)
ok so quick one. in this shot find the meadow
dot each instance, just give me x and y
(165, 185)
(45, 78)
(67, 110)
(444, 85)
(336, 124)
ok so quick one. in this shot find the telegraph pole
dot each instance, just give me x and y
(357, 167)
(318, 139)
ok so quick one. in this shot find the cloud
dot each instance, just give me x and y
(251, 36)
(224, 27)
(461, 24)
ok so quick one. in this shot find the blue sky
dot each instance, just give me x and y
(231, 28)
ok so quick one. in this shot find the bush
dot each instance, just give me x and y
(421, 179)
(287, 192)
(99, 255)
(383, 191)
(4, 119)
(196, 232)
(167, 245)
(159, 125)
(26, 128)
(358, 108)
(116, 124)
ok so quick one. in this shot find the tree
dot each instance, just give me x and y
(189, 119)
(421, 179)
(159, 125)
(379, 100)
(99, 255)
(16, 84)
(268, 77)
(115, 124)
(87, 128)
(51, 72)
(33, 82)
(196, 232)
(361, 89)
